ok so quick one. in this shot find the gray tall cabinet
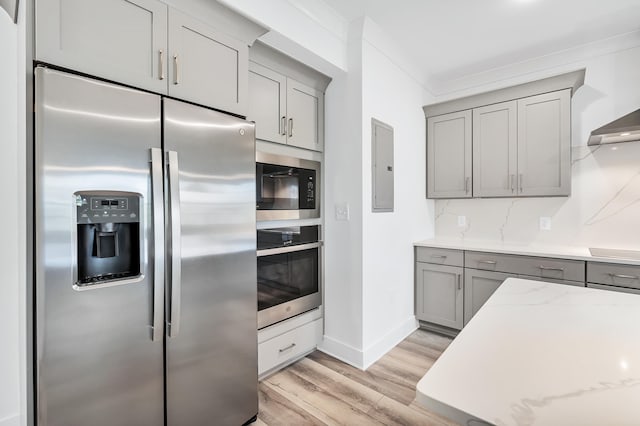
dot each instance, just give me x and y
(503, 143)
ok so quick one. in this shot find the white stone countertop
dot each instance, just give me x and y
(560, 252)
(542, 354)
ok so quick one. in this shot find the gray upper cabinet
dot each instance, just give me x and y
(439, 294)
(120, 40)
(145, 44)
(305, 112)
(206, 67)
(495, 147)
(285, 110)
(544, 144)
(268, 103)
(449, 155)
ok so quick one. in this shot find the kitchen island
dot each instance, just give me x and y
(542, 354)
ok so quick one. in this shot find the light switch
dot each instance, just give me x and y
(342, 211)
(462, 221)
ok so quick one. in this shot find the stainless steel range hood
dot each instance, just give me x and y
(624, 129)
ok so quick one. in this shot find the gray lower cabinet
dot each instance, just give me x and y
(544, 144)
(285, 110)
(613, 288)
(207, 67)
(449, 155)
(478, 287)
(439, 294)
(120, 40)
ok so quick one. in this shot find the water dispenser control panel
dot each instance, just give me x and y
(93, 208)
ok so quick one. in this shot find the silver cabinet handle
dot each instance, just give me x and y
(176, 266)
(161, 64)
(176, 68)
(288, 249)
(157, 330)
(627, 277)
(290, 127)
(520, 179)
(466, 185)
(291, 346)
(283, 126)
(513, 183)
(438, 256)
(459, 282)
(488, 262)
(549, 268)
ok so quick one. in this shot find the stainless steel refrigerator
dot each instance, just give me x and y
(145, 258)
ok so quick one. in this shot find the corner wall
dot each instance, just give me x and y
(604, 206)
(390, 94)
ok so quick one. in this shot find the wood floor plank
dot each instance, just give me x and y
(276, 410)
(360, 396)
(322, 390)
(376, 378)
(317, 401)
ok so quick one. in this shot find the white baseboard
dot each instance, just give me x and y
(341, 351)
(389, 341)
(363, 359)
(13, 420)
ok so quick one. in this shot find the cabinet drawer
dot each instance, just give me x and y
(553, 280)
(614, 274)
(612, 288)
(541, 267)
(288, 346)
(439, 256)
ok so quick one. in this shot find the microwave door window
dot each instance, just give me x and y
(278, 187)
(286, 277)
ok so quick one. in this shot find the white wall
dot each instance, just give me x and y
(12, 217)
(391, 95)
(604, 206)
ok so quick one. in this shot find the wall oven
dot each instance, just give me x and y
(286, 187)
(288, 272)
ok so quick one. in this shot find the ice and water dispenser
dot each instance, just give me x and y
(108, 237)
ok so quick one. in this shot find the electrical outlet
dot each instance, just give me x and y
(342, 211)
(545, 223)
(462, 221)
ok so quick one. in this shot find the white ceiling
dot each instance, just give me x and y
(450, 39)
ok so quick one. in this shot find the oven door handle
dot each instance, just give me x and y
(288, 249)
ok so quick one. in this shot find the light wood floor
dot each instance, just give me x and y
(321, 390)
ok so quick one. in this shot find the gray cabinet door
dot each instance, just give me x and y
(439, 294)
(305, 116)
(544, 144)
(495, 146)
(206, 66)
(449, 155)
(267, 103)
(119, 40)
(478, 287)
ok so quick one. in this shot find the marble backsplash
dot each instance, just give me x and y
(602, 211)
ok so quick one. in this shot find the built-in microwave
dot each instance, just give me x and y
(288, 272)
(286, 187)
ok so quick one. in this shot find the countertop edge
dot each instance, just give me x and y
(548, 252)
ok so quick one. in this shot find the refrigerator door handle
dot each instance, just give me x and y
(176, 267)
(157, 329)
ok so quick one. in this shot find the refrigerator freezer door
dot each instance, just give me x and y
(96, 361)
(212, 357)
